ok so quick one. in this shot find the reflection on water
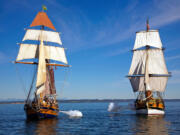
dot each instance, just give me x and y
(150, 125)
(42, 127)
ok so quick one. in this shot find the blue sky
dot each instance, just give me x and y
(98, 35)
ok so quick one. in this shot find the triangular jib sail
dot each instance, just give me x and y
(148, 69)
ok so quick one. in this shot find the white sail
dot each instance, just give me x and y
(156, 62)
(158, 83)
(138, 68)
(40, 89)
(156, 67)
(50, 36)
(27, 51)
(137, 83)
(150, 38)
(55, 53)
(148, 87)
(138, 63)
(30, 51)
(41, 73)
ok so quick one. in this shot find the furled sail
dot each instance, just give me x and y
(50, 36)
(144, 38)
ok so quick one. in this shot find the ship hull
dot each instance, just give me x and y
(150, 107)
(150, 111)
(41, 113)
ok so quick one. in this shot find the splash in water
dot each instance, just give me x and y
(115, 107)
(73, 113)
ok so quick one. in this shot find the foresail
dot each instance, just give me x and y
(40, 89)
(150, 38)
(27, 51)
(41, 73)
(50, 36)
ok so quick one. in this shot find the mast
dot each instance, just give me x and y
(41, 71)
(146, 77)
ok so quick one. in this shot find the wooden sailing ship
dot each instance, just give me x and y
(45, 51)
(148, 73)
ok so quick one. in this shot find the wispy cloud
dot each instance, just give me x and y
(118, 52)
(167, 12)
(3, 58)
(173, 57)
(79, 31)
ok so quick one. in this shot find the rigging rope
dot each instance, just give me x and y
(31, 86)
(21, 80)
(65, 80)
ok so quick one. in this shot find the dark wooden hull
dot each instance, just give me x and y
(42, 112)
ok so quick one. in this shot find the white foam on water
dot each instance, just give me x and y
(73, 113)
(113, 107)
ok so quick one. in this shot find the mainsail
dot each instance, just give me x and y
(148, 69)
(44, 53)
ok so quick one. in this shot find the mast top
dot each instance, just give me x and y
(42, 19)
(147, 24)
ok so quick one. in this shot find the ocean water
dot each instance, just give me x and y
(96, 120)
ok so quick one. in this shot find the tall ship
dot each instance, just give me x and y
(42, 47)
(148, 73)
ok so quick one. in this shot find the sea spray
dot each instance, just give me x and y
(115, 107)
(73, 113)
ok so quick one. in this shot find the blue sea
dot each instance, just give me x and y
(96, 120)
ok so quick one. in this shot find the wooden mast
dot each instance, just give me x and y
(147, 92)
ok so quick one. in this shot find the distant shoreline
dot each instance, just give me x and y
(87, 101)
